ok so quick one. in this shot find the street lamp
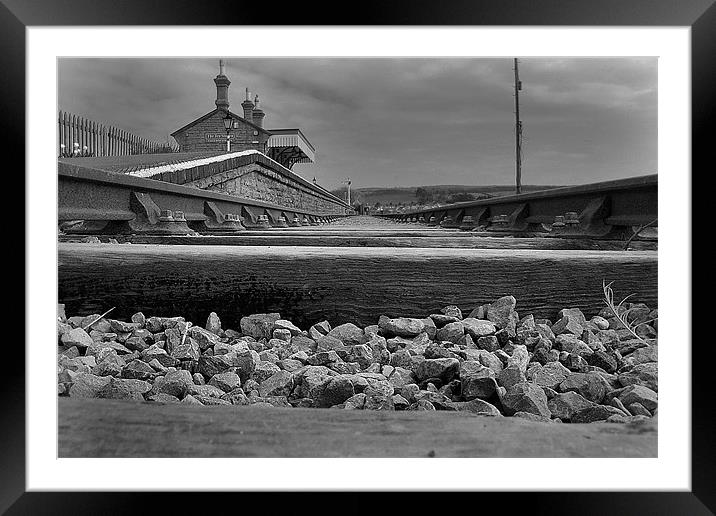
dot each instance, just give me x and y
(227, 125)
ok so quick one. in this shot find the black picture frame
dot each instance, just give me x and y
(700, 15)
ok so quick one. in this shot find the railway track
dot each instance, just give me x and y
(611, 210)
(138, 244)
(102, 202)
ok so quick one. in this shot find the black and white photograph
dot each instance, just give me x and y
(369, 257)
(432, 250)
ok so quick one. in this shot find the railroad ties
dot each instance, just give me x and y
(168, 250)
(249, 256)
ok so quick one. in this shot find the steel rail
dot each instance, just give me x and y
(108, 202)
(609, 209)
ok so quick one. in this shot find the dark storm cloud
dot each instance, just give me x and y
(403, 122)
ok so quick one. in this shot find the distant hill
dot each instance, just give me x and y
(431, 194)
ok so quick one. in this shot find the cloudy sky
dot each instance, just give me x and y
(402, 122)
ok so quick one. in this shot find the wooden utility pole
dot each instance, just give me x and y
(518, 133)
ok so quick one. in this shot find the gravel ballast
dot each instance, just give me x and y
(486, 360)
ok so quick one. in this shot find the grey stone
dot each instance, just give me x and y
(259, 326)
(371, 330)
(163, 398)
(639, 394)
(318, 329)
(568, 324)
(438, 351)
(574, 313)
(76, 337)
(187, 351)
(550, 375)
(500, 312)
(510, 376)
(283, 324)
(574, 362)
(400, 403)
(122, 327)
(520, 358)
(280, 383)
(646, 374)
(139, 370)
(629, 346)
(328, 343)
(154, 352)
(209, 391)
(264, 370)
(213, 323)
(290, 365)
(227, 381)
(526, 397)
(362, 354)
(477, 406)
(488, 343)
(344, 367)
(600, 322)
(376, 384)
(409, 392)
(477, 381)
(441, 320)
(378, 402)
(236, 397)
(444, 368)
(603, 360)
(637, 409)
(356, 402)
(531, 417)
(337, 390)
(204, 338)
(422, 405)
(564, 405)
(136, 344)
(87, 385)
(616, 403)
(590, 385)
(571, 344)
(401, 326)
(644, 355)
(110, 365)
(451, 332)
(596, 413)
(124, 389)
(379, 349)
(283, 334)
(176, 383)
(309, 382)
(477, 328)
(268, 356)
(349, 334)
(401, 377)
(452, 311)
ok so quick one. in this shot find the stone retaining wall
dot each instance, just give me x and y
(255, 176)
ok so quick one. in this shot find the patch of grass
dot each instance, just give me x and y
(624, 315)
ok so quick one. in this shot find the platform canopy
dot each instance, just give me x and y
(290, 146)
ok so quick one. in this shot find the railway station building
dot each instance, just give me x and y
(246, 130)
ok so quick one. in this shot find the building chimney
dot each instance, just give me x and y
(258, 113)
(222, 88)
(248, 107)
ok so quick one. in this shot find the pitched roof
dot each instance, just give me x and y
(212, 113)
